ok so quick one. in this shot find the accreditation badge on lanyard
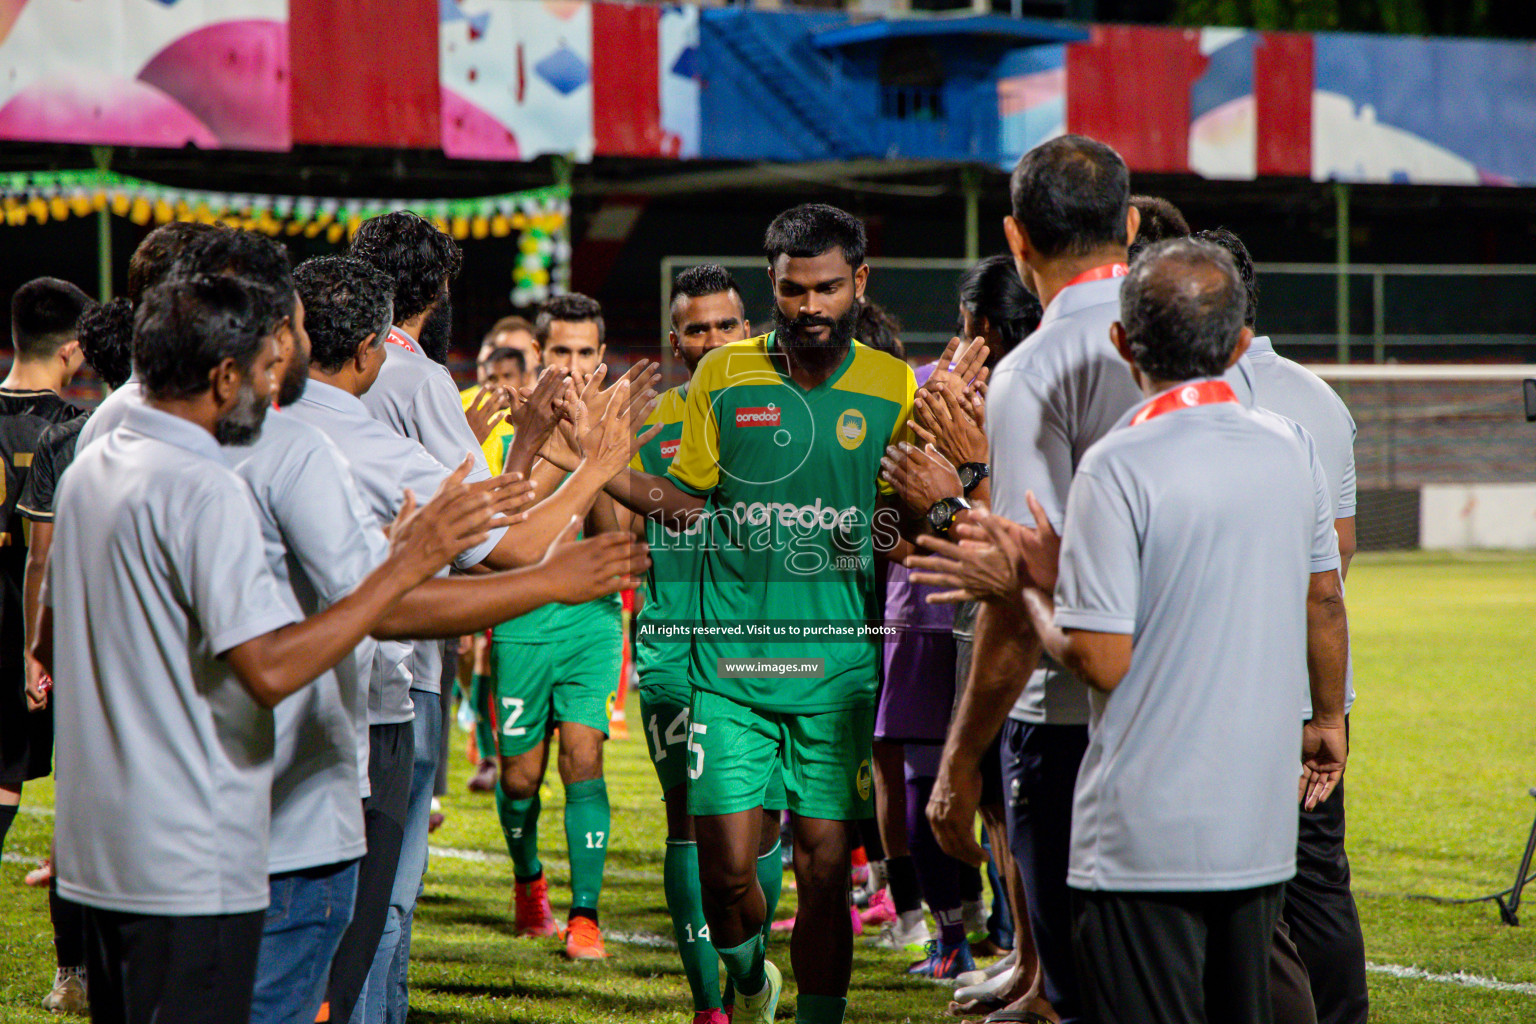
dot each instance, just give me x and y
(1186, 396)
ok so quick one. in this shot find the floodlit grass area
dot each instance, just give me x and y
(1444, 750)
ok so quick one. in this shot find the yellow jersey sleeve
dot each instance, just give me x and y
(901, 431)
(657, 416)
(696, 469)
(495, 444)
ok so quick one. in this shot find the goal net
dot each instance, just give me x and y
(1443, 456)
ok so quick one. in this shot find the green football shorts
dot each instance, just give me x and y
(665, 722)
(734, 752)
(539, 686)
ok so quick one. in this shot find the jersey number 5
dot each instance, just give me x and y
(697, 768)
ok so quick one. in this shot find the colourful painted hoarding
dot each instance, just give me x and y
(172, 73)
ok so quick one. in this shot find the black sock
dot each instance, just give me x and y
(869, 833)
(7, 815)
(901, 875)
(970, 884)
(68, 927)
(587, 912)
(531, 878)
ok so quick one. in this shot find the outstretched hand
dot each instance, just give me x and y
(535, 413)
(985, 565)
(488, 408)
(425, 540)
(595, 567)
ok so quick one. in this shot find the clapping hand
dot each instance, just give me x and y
(952, 423)
(534, 414)
(961, 364)
(486, 409)
(986, 564)
(921, 476)
(428, 538)
(597, 566)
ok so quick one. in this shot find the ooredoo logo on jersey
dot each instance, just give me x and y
(758, 416)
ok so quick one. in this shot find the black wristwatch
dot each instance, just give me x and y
(972, 474)
(941, 516)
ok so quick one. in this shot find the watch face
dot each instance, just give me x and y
(967, 476)
(939, 515)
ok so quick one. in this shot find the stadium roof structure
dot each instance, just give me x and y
(991, 28)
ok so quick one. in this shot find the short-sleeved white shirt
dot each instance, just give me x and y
(1295, 392)
(321, 542)
(1050, 399)
(384, 463)
(417, 399)
(108, 416)
(164, 760)
(1196, 532)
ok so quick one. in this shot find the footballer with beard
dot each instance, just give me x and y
(780, 452)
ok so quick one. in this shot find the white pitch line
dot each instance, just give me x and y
(486, 857)
(1459, 978)
(646, 939)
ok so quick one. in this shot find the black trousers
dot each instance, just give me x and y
(391, 760)
(1040, 764)
(1176, 958)
(1320, 913)
(1290, 990)
(145, 969)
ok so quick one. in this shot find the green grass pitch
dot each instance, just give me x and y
(1444, 749)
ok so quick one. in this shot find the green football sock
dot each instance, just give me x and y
(811, 1009)
(587, 821)
(520, 826)
(744, 963)
(485, 729)
(680, 880)
(770, 875)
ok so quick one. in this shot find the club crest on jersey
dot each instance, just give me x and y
(851, 428)
(758, 416)
(669, 448)
(864, 780)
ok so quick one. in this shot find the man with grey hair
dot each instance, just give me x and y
(1189, 633)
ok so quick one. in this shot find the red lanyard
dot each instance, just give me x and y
(398, 337)
(1103, 273)
(1187, 396)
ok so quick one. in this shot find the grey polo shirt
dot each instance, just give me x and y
(164, 760)
(108, 416)
(416, 397)
(320, 542)
(1050, 399)
(1196, 532)
(1295, 392)
(384, 463)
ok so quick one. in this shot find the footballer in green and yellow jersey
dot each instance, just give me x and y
(780, 449)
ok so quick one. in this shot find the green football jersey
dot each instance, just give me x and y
(672, 583)
(792, 481)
